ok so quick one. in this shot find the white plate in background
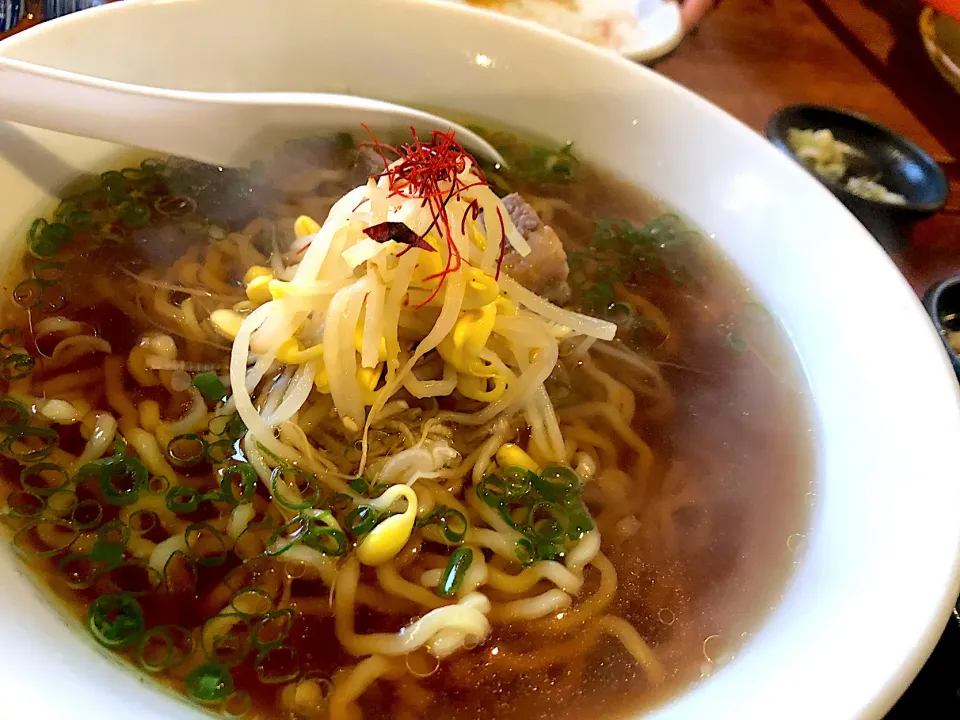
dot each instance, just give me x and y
(641, 30)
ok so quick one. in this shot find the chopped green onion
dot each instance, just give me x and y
(108, 554)
(221, 451)
(209, 683)
(187, 449)
(251, 602)
(205, 543)
(289, 483)
(453, 574)
(143, 521)
(272, 629)
(33, 480)
(23, 504)
(557, 483)
(115, 620)
(361, 520)
(232, 648)
(164, 647)
(619, 312)
(45, 537)
(48, 438)
(228, 647)
(48, 272)
(115, 532)
(87, 514)
(45, 239)
(338, 502)
(278, 664)
(182, 499)
(237, 705)
(492, 491)
(70, 213)
(180, 573)
(451, 522)
(327, 540)
(218, 424)
(62, 501)
(157, 485)
(16, 366)
(526, 552)
(121, 479)
(235, 428)
(599, 296)
(238, 483)
(36, 232)
(286, 536)
(79, 571)
(13, 415)
(518, 482)
(115, 186)
(210, 386)
(360, 485)
(580, 521)
(379, 489)
(545, 523)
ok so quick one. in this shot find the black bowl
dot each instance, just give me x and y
(942, 302)
(901, 166)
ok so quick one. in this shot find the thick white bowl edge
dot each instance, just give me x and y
(880, 573)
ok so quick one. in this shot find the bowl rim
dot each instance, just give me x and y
(775, 134)
(886, 688)
(928, 32)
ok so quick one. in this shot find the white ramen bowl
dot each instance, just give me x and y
(872, 591)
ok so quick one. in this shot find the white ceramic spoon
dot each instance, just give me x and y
(227, 129)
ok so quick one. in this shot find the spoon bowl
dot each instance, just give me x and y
(226, 129)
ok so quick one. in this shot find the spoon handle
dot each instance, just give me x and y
(228, 129)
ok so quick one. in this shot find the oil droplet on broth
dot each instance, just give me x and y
(712, 648)
(666, 616)
(796, 543)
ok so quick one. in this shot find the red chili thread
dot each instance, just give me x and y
(503, 243)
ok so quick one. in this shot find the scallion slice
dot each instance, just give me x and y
(210, 386)
(115, 620)
(452, 577)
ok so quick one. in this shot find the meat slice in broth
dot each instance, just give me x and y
(545, 269)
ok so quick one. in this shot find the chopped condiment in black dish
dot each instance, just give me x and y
(879, 157)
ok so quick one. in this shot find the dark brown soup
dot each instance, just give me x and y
(499, 543)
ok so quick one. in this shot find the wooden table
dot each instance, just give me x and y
(751, 57)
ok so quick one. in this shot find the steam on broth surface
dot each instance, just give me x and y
(302, 443)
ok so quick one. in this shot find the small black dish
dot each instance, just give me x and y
(942, 302)
(900, 165)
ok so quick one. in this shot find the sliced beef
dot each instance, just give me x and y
(367, 162)
(545, 269)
